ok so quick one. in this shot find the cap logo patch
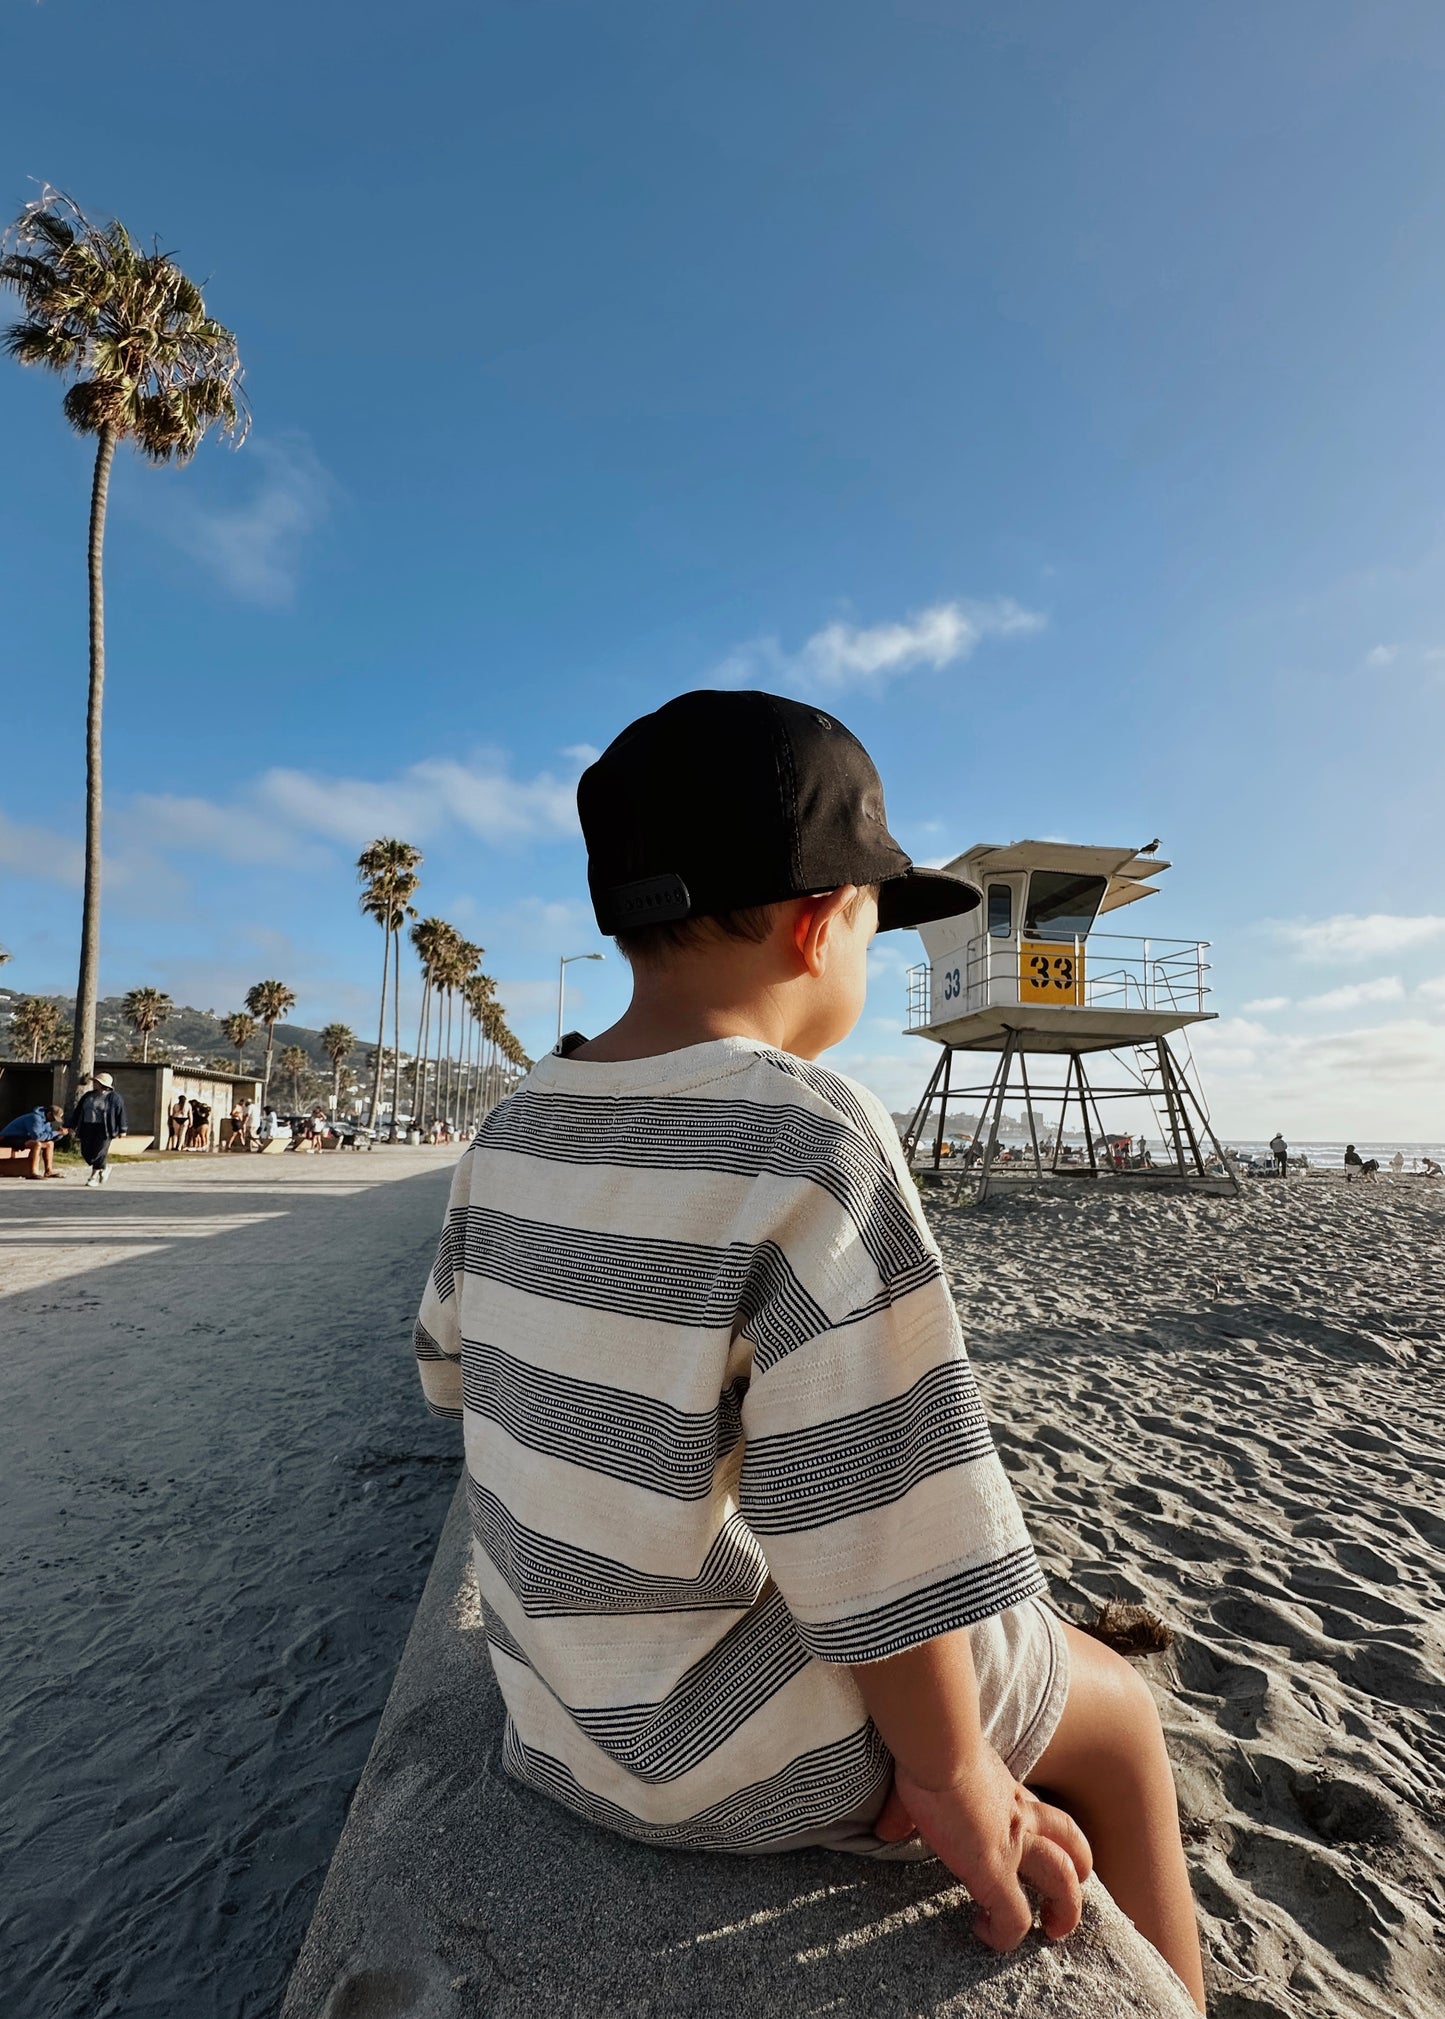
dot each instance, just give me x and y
(652, 900)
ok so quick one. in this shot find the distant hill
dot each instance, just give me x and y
(193, 1037)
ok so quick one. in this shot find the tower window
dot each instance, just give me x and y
(1062, 906)
(1000, 911)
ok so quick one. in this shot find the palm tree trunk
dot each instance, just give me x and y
(145, 1048)
(82, 1056)
(437, 1083)
(395, 1028)
(380, 1031)
(418, 1064)
(266, 1067)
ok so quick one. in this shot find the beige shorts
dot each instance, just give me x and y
(1022, 1662)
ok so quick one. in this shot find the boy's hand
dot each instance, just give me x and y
(992, 1833)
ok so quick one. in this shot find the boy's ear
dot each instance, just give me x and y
(814, 924)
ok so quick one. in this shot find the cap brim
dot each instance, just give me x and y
(920, 895)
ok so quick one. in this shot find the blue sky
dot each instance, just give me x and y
(1055, 391)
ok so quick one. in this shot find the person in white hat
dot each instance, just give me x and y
(97, 1119)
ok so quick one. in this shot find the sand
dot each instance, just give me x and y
(222, 1501)
(1234, 1413)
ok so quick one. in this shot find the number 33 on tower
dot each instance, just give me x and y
(1050, 973)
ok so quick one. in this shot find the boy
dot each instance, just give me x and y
(752, 1575)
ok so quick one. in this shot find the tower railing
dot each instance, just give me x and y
(1109, 971)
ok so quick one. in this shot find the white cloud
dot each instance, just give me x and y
(1347, 936)
(481, 796)
(840, 655)
(1433, 990)
(287, 817)
(1262, 1005)
(1385, 1082)
(581, 754)
(1380, 656)
(254, 547)
(40, 853)
(1355, 995)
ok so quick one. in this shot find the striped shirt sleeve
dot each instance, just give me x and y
(869, 1474)
(438, 1333)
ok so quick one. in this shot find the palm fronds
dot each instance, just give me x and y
(131, 329)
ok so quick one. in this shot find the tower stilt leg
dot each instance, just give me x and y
(916, 1127)
(1001, 1083)
(943, 1107)
(1166, 1086)
(1029, 1111)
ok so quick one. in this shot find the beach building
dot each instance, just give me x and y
(1029, 974)
(147, 1091)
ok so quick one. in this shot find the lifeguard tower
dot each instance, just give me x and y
(1026, 976)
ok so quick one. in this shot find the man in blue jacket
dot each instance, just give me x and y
(31, 1139)
(98, 1118)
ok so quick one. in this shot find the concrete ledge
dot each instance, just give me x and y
(456, 1893)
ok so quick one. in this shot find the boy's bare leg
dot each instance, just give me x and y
(1108, 1766)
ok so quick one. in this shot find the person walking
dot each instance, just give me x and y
(97, 1118)
(1280, 1149)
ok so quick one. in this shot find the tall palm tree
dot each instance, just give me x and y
(238, 1031)
(147, 365)
(479, 994)
(461, 960)
(35, 1024)
(337, 1041)
(146, 1009)
(268, 1002)
(430, 937)
(294, 1061)
(388, 872)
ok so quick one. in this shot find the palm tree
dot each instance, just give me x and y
(238, 1031)
(388, 873)
(479, 993)
(146, 1009)
(294, 1061)
(35, 1024)
(431, 937)
(268, 1002)
(337, 1041)
(146, 365)
(459, 961)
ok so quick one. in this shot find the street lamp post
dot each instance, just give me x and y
(562, 966)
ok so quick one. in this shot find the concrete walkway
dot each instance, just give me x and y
(220, 1496)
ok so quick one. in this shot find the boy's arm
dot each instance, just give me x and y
(951, 1786)
(437, 1337)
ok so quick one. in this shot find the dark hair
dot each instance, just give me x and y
(650, 945)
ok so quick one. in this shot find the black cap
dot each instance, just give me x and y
(722, 800)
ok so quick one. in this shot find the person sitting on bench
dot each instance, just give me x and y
(31, 1138)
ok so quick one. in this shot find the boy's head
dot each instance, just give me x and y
(740, 839)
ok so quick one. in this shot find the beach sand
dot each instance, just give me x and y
(222, 1499)
(1233, 1412)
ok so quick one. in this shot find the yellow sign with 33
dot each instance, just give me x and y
(1050, 972)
